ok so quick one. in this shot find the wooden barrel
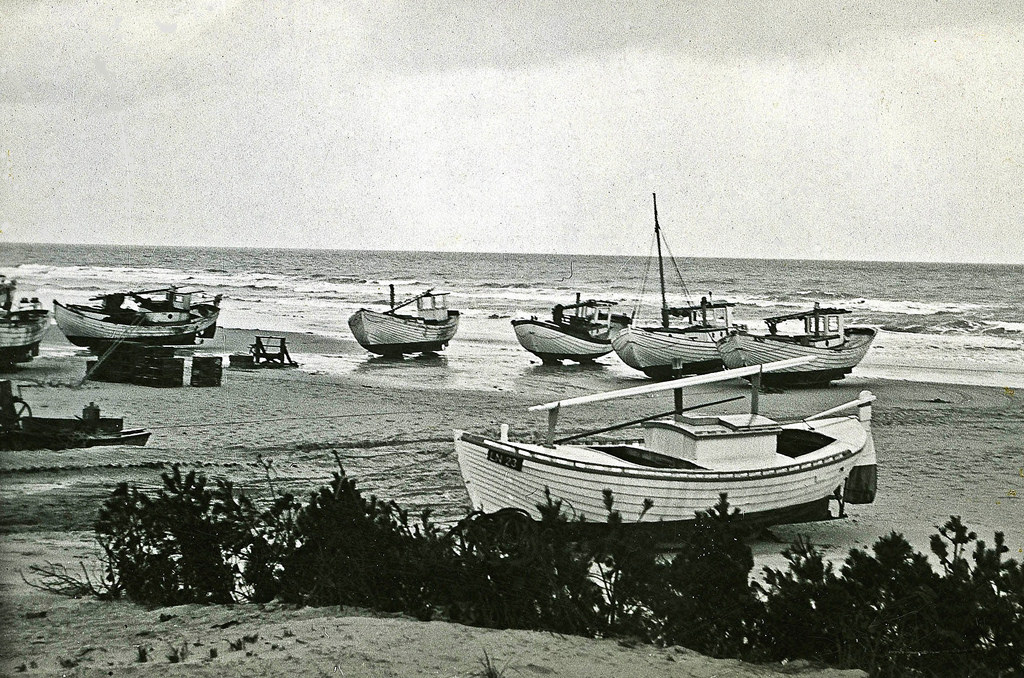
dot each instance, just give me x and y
(207, 370)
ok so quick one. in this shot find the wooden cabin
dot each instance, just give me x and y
(706, 314)
(824, 327)
(433, 307)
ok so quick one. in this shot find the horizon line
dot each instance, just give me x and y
(529, 253)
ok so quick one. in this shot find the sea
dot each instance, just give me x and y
(944, 322)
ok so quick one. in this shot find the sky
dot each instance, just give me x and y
(876, 130)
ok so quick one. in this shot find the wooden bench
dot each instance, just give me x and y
(272, 351)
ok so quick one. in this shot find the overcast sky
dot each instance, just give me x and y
(768, 129)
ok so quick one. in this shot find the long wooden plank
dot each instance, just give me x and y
(714, 377)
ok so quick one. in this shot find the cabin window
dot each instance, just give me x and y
(833, 323)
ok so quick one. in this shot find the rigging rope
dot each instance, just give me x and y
(277, 419)
(682, 283)
(113, 347)
(643, 285)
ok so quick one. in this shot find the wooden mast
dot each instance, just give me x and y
(661, 264)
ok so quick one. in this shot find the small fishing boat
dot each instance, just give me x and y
(668, 351)
(170, 316)
(773, 472)
(580, 331)
(834, 348)
(20, 430)
(390, 333)
(22, 325)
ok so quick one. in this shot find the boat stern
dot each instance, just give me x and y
(862, 484)
(625, 346)
(731, 349)
(464, 452)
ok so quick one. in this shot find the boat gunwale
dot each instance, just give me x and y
(853, 338)
(453, 316)
(662, 474)
(547, 324)
(88, 312)
(691, 329)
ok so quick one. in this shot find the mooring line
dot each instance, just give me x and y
(277, 419)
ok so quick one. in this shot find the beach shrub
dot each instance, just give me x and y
(630, 573)
(191, 543)
(891, 613)
(707, 603)
(888, 610)
(357, 551)
(514, 572)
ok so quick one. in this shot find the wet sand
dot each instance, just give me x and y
(943, 449)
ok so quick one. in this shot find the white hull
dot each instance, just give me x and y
(653, 352)
(742, 350)
(548, 342)
(579, 475)
(385, 333)
(19, 338)
(86, 328)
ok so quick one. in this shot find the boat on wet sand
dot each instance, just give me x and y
(773, 472)
(22, 325)
(670, 350)
(169, 316)
(667, 351)
(581, 331)
(834, 348)
(428, 329)
(20, 430)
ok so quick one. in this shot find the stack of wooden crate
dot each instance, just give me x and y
(135, 363)
(207, 370)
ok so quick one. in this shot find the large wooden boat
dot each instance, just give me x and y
(773, 472)
(22, 325)
(579, 332)
(389, 333)
(169, 316)
(20, 430)
(834, 348)
(685, 348)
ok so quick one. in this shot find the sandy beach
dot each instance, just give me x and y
(942, 449)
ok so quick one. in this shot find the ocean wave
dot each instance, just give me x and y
(396, 283)
(958, 325)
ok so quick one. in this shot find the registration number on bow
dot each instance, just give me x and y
(510, 460)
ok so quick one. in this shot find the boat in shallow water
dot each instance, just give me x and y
(834, 349)
(170, 316)
(680, 464)
(581, 331)
(22, 325)
(668, 350)
(389, 333)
